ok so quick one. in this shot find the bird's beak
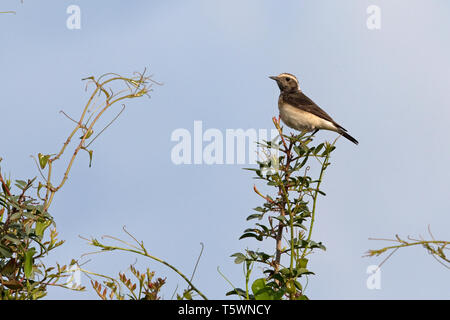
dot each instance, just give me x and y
(274, 78)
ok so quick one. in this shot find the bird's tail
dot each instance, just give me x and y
(349, 137)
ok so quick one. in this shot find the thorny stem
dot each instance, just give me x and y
(279, 236)
(285, 193)
(286, 202)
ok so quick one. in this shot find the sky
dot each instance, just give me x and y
(387, 86)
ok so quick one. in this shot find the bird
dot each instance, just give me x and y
(299, 112)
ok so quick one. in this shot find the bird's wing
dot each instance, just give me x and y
(302, 102)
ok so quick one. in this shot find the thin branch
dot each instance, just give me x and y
(110, 123)
(436, 252)
(198, 260)
(144, 252)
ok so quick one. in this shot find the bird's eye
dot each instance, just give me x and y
(287, 79)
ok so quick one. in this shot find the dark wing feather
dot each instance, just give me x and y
(300, 100)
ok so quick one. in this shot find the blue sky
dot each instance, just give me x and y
(388, 87)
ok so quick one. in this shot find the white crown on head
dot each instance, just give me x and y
(289, 75)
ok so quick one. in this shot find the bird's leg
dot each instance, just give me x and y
(314, 132)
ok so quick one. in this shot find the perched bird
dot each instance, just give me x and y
(301, 113)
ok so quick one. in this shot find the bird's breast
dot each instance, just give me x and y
(302, 120)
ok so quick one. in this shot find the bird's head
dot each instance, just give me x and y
(286, 82)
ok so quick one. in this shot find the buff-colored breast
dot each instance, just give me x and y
(301, 120)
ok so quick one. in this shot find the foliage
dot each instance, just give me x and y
(144, 289)
(287, 211)
(23, 224)
(102, 98)
(25, 236)
(138, 248)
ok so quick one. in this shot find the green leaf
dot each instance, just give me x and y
(302, 263)
(281, 218)
(264, 256)
(258, 285)
(41, 226)
(318, 148)
(313, 245)
(90, 157)
(43, 159)
(21, 184)
(250, 235)
(28, 262)
(263, 227)
(298, 285)
(303, 162)
(9, 268)
(13, 238)
(261, 291)
(272, 183)
(5, 252)
(285, 272)
(254, 216)
(301, 271)
(89, 133)
(239, 292)
(187, 295)
(239, 257)
(40, 186)
(298, 151)
(279, 294)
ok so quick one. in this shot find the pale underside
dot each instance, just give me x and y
(303, 121)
